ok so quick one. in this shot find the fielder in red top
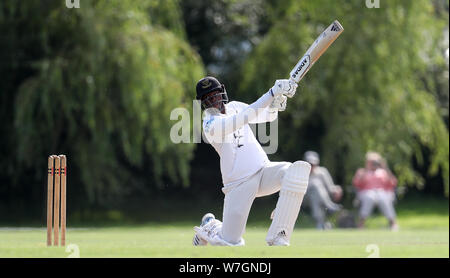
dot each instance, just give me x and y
(375, 185)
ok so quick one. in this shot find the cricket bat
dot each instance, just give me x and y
(316, 50)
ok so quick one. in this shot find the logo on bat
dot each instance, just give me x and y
(335, 28)
(303, 65)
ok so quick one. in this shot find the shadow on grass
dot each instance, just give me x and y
(416, 212)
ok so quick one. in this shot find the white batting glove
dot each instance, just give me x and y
(278, 88)
(292, 88)
(279, 103)
(283, 87)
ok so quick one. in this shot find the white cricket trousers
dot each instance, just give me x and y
(239, 198)
(382, 198)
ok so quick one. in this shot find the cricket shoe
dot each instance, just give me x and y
(197, 241)
(206, 218)
(279, 240)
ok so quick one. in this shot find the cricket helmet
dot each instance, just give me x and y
(207, 85)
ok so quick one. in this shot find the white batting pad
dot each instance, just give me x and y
(293, 189)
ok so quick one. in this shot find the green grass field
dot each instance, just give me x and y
(175, 242)
(421, 235)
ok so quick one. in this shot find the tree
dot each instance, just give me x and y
(97, 84)
(224, 32)
(367, 92)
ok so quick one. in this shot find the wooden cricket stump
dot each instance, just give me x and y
(56, 199)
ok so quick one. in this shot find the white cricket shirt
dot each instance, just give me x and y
(240, 153)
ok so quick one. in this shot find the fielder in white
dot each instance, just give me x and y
(246, 170)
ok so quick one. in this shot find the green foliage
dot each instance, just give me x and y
(369, 91)
(167, 14)
(98, 85)
(224, 32)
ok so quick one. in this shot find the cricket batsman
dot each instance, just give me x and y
(246, 170)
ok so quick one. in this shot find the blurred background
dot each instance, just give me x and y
(97, 83)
